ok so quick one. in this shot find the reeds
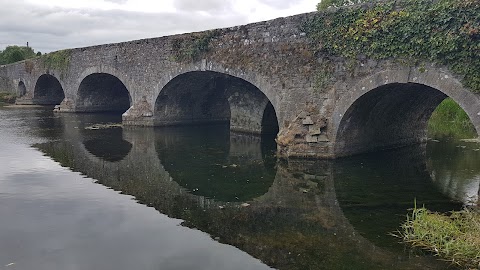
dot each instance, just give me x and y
(454, 236)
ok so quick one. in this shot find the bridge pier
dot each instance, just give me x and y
(67, 105)
(139, 114)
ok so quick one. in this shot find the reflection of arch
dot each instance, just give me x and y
(48, 91)
(210, 97)
(102, 92)
(386, 110)
(385, 185)
(21, 89)
(212, 163)
(455, 170)
(108, 145)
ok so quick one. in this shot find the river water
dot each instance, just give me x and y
(77, 195)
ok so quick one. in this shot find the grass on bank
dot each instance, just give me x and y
(450, 120)
(454, 237)
(7, 98)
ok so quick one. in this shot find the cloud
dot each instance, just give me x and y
(212, 6)
(50, 27)
(117, 1)
(53, 28)
(280, 4)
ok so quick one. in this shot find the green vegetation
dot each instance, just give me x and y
(7, 98)
(59, 60)
(450, 120)
(337, 3)
(193, 46)
(454, 237)
(13, 54)
(446, 32)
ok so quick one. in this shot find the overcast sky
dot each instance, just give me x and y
(50, 25)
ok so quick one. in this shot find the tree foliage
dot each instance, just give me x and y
(440, 31)
(13, 54)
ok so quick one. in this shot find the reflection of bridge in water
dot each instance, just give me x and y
(299, 215)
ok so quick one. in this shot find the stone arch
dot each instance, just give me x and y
(48, 90)
(256, 80)
(201, 96)
(102, 92)
(120, 78)
(21, 89)
(391, 109)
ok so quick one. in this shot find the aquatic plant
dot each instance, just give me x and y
(454, 236)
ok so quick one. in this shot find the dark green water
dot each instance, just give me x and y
(72, 197)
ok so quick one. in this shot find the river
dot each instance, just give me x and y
(79, 193)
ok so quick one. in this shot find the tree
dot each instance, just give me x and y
(13, 54)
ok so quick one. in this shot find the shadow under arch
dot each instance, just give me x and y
(21, 89)
(48, 91)
(102, 92)
(388, 116)
(199, 97)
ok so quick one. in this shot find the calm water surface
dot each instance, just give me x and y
(75, 195)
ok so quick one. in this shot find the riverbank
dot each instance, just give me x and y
(7, 98)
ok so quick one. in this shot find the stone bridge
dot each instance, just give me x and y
(261, 78)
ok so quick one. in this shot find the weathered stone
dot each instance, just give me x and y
(307, 121)
(381, 104)
(314, 130)
(311, 139)
(323, 138)
(302, 115)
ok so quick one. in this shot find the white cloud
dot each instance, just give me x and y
(58, 24)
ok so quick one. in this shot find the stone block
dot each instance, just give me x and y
(311, 139)
(307, 121)
(302, 115)
(323, 138)
(314, 130)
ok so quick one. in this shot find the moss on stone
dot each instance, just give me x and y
(192, 47)
(59, 60)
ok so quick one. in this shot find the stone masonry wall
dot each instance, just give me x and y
(309, 91)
